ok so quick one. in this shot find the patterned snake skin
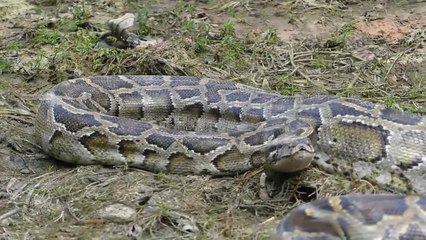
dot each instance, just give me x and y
(190, 125)
(378, 217)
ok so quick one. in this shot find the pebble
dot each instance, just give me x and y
(117, 213)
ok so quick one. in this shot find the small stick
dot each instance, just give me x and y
(10, 213)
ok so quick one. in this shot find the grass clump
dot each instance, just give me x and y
(4, 65)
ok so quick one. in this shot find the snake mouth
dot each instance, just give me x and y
(295, 159)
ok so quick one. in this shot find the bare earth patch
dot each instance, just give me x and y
(372, 50)
(393, 30)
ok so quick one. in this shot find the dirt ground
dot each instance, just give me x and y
(372, 50)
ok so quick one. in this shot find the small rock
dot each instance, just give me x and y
(25, 171)
(379, 7)
(5, 222)
(384, 179)
(117, 213)
(362, 169)
(135, 231)
(66, 16)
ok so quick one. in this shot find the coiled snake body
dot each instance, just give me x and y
(190, 125)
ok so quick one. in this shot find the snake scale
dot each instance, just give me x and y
(190, 125)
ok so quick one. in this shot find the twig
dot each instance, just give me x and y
(393, 64)
(72, 214)
(308, 53)
(362, 80)
(296, 68)
(10, 213)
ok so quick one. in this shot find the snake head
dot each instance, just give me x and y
(291, 156)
